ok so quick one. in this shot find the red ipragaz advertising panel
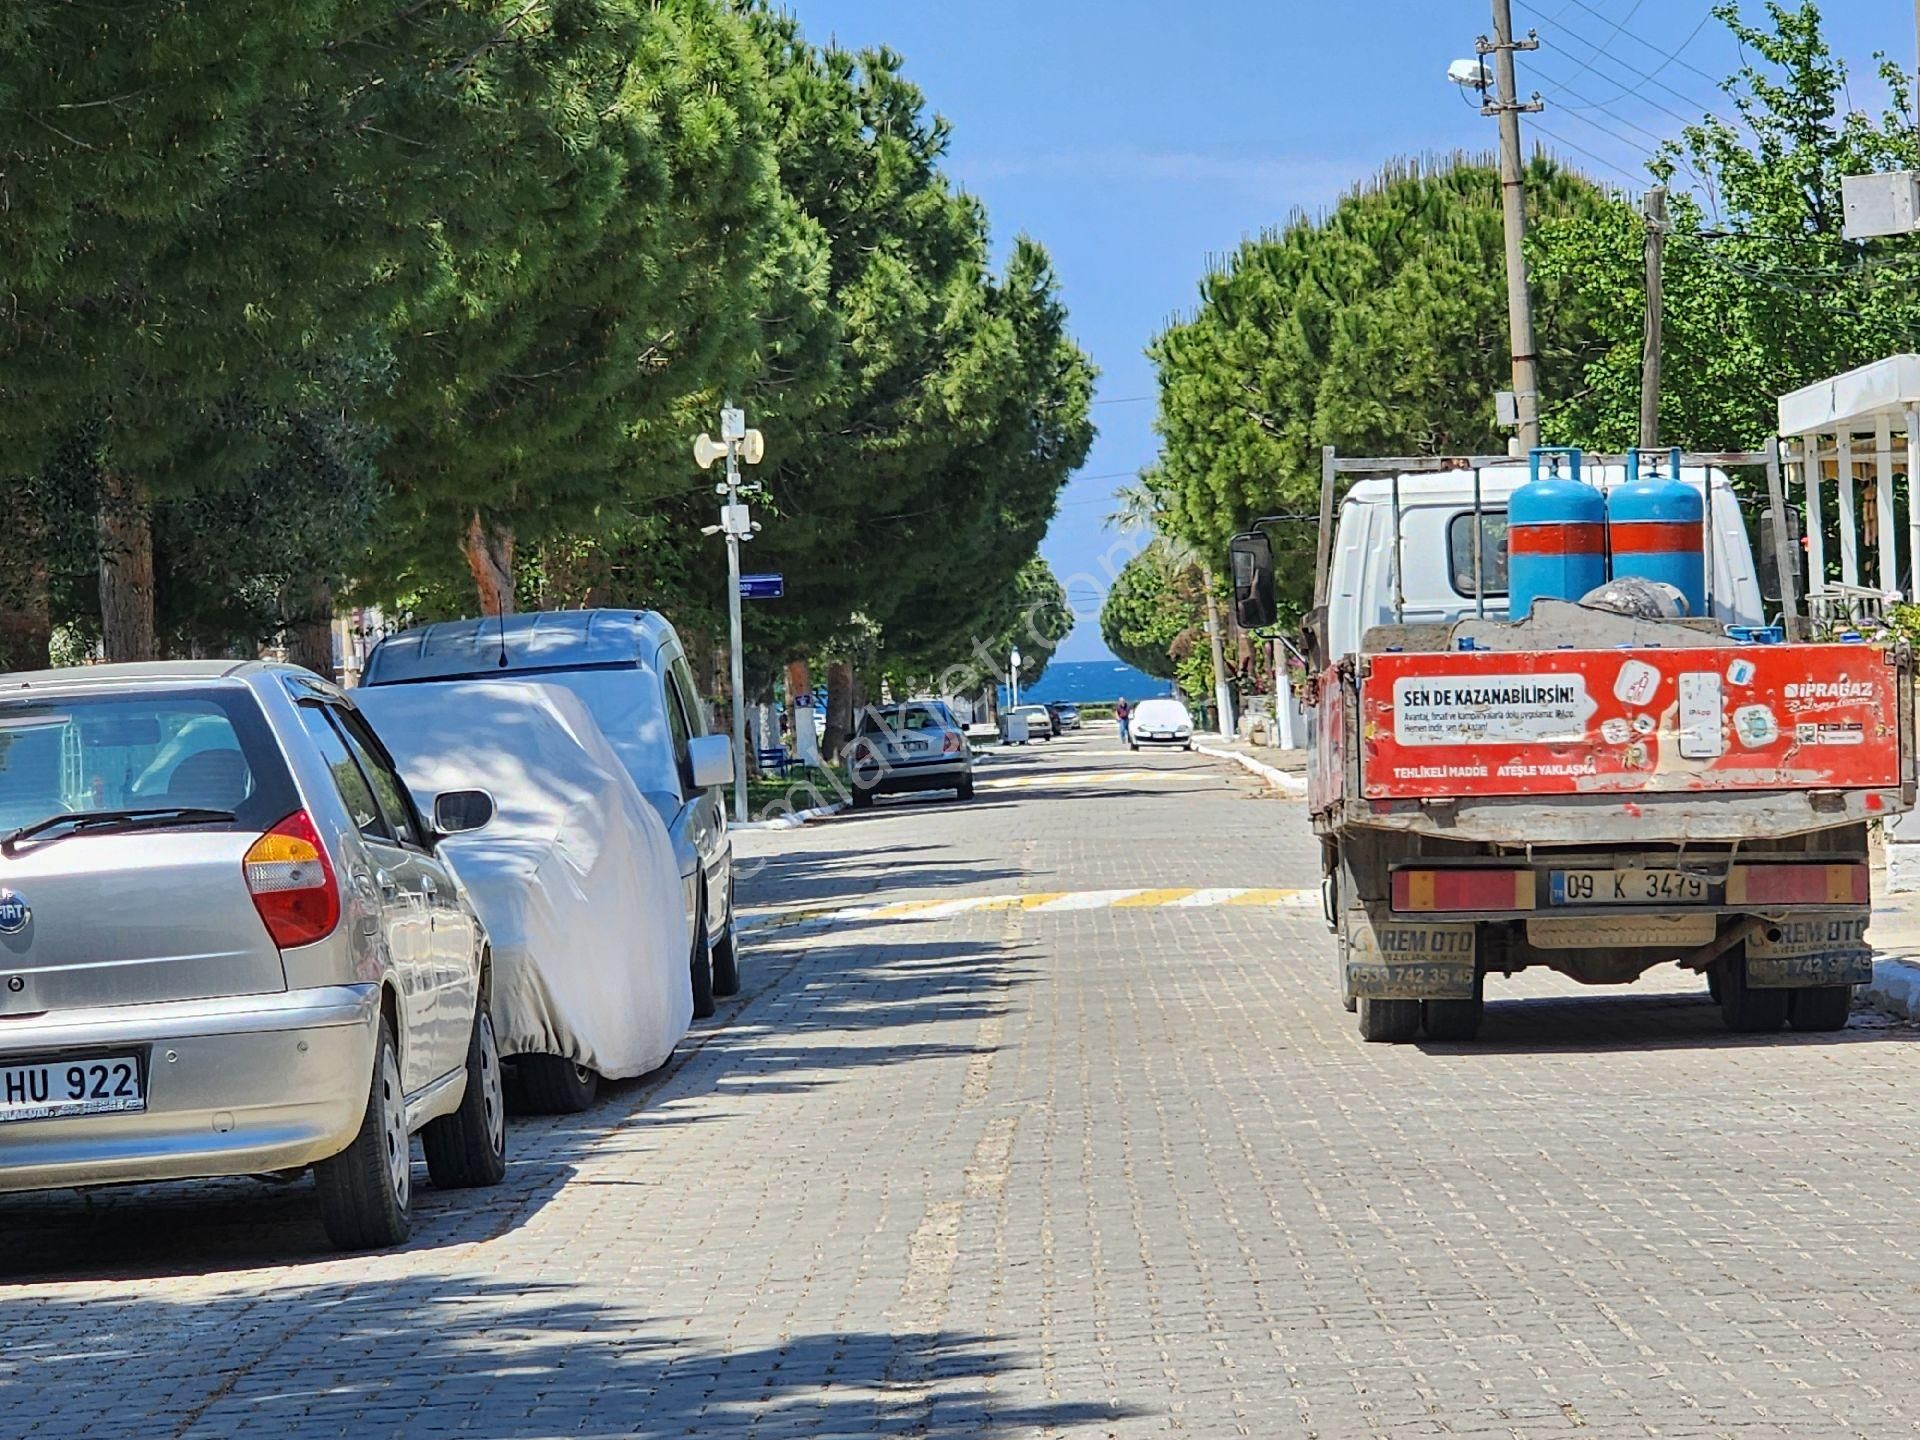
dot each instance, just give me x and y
(1571, 722)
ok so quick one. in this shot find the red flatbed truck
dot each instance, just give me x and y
(1596, 792)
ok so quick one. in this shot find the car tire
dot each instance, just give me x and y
(964, 790)
(1820, 1007)
(1388, 1022)
(726, 955)
(1457, 1020)
(366, 1190)
(468, 1149)
(862, 798)
(1748, 1011)
(556, 1085)
(700, 969)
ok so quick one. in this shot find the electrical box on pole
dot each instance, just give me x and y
(1883, 204)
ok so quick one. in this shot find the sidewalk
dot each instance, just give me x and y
(1895, 933)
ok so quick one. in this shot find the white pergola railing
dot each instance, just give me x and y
(1857, 430)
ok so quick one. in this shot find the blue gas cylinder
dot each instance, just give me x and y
(1655, 532)
(1556, 536)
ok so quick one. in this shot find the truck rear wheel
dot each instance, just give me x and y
(1745, 1010)
(1392, 1022)
(1453, 1019)
(1820, 1007)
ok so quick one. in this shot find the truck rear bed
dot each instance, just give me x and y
(1705, 743)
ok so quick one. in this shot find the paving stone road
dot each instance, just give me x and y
(1120, 1168)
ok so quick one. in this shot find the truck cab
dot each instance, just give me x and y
(1437, 581)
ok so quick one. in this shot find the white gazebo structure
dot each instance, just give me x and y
(1858, 429)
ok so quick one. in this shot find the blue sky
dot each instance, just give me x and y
(1139, 140)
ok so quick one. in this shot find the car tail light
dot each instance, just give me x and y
(1424, 891)
(292, 883)
(950, 744)
(1788, 884)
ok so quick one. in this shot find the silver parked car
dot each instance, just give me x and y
(629, 668)
(227, 947)
(917, 745)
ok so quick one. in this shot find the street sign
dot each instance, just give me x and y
(762, 587)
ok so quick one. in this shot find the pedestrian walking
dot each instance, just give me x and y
(1123, 712)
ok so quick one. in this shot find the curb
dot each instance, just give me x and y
(1279, 779)
(793, 821)
(1895, 987)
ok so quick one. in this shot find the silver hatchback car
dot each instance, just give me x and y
(227, 947)
(915, 745)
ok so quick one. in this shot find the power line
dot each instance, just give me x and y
(1600, 160)
(1661, 142)
(1669, 57)
(1600, 52)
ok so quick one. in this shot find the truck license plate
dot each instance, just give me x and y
(96, 1085)
(1627, 887)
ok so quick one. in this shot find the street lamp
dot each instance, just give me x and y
(736, 444)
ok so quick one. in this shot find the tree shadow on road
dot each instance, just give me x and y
(496, 1361)
(1602, 1024)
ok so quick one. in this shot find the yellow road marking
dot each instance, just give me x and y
(1263, 897)
(1154, 897)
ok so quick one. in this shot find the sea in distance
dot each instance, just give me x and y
(1091, 682)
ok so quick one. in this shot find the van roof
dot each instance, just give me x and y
(541, 640)
(1496, 482)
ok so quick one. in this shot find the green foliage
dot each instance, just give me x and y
(1379, 328)
(1154, 616)
(1032, 615)
(394, 300)
(1762, 293)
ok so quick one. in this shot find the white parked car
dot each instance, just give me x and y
(629, 668)
(574, 877)
(1164, 721)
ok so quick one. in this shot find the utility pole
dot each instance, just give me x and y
(736, 443)
(1656, 211)
(1222, 694)
(1507, 106)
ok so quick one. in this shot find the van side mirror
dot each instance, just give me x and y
(710, 758)
(1251, 561)
(457, 811)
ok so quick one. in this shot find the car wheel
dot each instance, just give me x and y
(1457, 1020)
(367, 1189)
(1820, 1007)
(556, 1085)
(964, 790)
(1388, 1022)
(701, 969)
(468, 1148)
(726, 955)
(1747, 1010)
(862, 798)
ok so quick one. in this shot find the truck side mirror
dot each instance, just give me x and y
(1769, 556)
(1251, 556)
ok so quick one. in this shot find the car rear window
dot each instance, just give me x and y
(206, 749)
(911, 717)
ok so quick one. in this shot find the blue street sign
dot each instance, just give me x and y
(762, 587)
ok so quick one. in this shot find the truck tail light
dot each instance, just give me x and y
(292, 883)
(1798, 885)
(1422, 891)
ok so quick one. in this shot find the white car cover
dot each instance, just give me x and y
(575, 878)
